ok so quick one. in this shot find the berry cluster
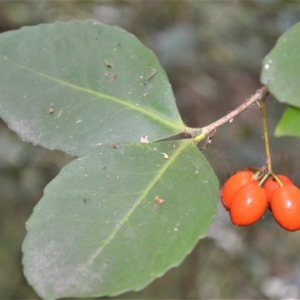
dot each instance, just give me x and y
(246, 199)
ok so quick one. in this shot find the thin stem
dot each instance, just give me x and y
(277, 179)
(266, 136)
(262, 181)
(200, 134)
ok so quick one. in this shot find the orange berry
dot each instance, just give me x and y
(271, 185)
(248, 204)
(232, 185)
(285, 205)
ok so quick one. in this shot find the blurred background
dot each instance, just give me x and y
(212, 52)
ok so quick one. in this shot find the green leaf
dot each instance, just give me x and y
(98, 231)
(70, 86)
(289, 125)
(281, 68)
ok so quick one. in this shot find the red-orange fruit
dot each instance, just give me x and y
(248, 204)
(234, 183)
(271, 185)
(285, 205)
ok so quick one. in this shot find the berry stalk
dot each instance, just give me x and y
(266, 136)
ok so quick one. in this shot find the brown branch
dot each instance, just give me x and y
(259, 95)
(201, 133)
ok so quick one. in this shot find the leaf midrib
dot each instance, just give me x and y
(100, 95)
(159, 174)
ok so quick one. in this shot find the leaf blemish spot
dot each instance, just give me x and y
(113, 145)
(144, 139)
(150, 76)
(108, 64)
(113, 76)
(59, 114)
(158, 200)
(166, 156)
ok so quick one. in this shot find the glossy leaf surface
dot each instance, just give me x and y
(70, 86)
(116, 218)
(281, 68)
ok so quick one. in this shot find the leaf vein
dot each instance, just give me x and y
(162, 170)
(98, 95)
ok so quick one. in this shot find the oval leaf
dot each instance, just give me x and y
(117, 218)
(281, 68)
(70, 86)
(289, 124)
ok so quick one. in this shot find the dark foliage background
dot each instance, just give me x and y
(212, 51)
